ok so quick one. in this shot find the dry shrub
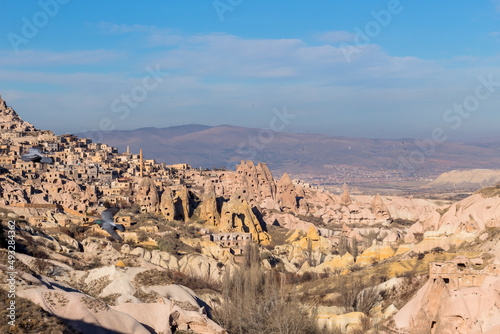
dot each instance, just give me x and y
(142, 236)
(365, 323)
(254, 302)
(171, 243)
(43, 267)
(366, 300)
(153, 277)
(111, 299)
(156, 277)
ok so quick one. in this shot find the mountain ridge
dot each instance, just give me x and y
(299, 153)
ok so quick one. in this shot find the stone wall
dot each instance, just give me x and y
(459, 274)
(231, 239)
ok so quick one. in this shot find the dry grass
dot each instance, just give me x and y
(315, 291)
(171, 243)
(111, 299)
(151, 297)
(155, 277)
(278, 235)
(31, 318)
(490, 191)
(401, 295)
(95, 287)
(254, 302)
(152, 277)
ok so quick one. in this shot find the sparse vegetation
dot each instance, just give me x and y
(142, 236)
(111, 299)
(43, 267)
(76, 231)
(255, 302)
(170, 243)
(31, 318)
(156, 277)
(490, 191)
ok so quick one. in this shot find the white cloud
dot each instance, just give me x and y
(35, 58)
(214, 77)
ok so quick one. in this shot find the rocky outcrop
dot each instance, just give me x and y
(345, 322)
(334, 263)
(10, 120)
(182, 204)
(443, 307)
(287, 196)
(147, 195)
(472, 179)
(83, 312)
(374, 254)
(291, 197)
(238, 216)
(310, 240)
(379, 209)
(176, 207)
(345, 199)
(256, 180)
(90, 196)
(166, 314)
(167, 206)
(471, 215)
(208, 210)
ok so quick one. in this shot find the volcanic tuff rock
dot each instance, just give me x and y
(374, 254)
(345, 199)
(208, 210)
(83, 312)
(257, 180)
(10, 120)
(167, 205)
(182, 203)
(238, 216)
(175, 306)
(147, 195)
(290, 198)
(379, 209)
(455, 301)
(472, 215)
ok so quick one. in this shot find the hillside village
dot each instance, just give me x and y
(186, 225)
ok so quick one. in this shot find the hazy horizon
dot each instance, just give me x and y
(292, 132)
(374, 69)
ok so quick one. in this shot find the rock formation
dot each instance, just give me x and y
(345, 199)
(208, 210)
(256, 180)
(147, 195)
(167, 206)
(379, 209)
(10, 120)
(182, 203)
(290, 198)
(237, 216)
(458, 298)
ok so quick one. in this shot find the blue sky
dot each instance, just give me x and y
(379, 69)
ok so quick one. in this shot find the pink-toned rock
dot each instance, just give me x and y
(440, 307)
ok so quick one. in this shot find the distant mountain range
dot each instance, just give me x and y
(314, 154)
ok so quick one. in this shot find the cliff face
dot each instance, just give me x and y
(147, 195)
(238, 216)
(208, 211)
(458, 298)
